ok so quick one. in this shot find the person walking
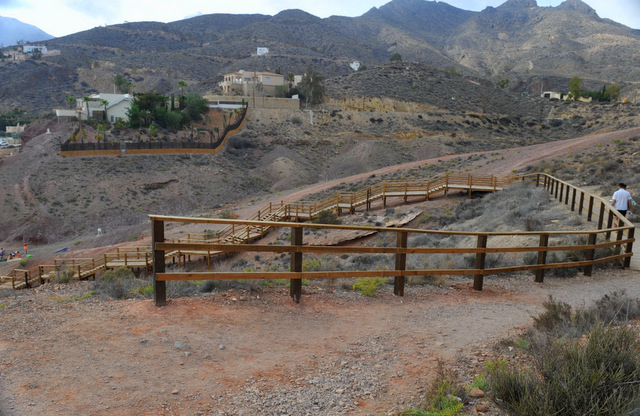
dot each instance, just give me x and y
(26, 249)
(622, 199)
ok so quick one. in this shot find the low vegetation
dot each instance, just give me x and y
(585, 362)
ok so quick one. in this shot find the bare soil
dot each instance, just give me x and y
(257, 352)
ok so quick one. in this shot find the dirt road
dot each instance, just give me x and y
(248, 353)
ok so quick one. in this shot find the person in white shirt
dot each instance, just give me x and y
(621, 199)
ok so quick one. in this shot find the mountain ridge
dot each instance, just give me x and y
(13, 31)
(518, 40)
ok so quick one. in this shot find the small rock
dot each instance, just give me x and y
(481, 408)
(221, 347)
(476, 392)
(143, 341)
(181, 345)
(187, 353)
(174, 392)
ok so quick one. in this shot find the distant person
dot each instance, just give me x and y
(622, 199)
(1, 252)
(26, 249)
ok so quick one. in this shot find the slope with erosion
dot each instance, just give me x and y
(51, 198)
(252, 351)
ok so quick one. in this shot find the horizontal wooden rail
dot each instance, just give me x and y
(610, 223)
(238, 235)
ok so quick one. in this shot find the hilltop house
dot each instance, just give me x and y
(252, 83)
(116, 107)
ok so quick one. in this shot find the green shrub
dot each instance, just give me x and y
(584, 363)
(119, 284)
(368, 286)
(327, 217)
(63, 276)
(444, 397)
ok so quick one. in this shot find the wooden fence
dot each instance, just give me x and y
(609, 222)
(156, 147)
(237, 236)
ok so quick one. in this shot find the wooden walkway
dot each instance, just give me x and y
(239, 233)
(611, 241)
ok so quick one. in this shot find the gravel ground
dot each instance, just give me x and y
(244, 353)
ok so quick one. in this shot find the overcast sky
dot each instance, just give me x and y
(62, 17)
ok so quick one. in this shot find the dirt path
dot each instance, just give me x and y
(248, 353)
(502, 162)
(235, 353)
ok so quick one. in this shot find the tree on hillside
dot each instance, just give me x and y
(105, 103)
(575, 87)
(290, 78)
(395, 57)
(71, 100)
(195, 106)
(503, 83)
(36, 54)
(312, 87)
(120, 82)
(182, 85)
(612, 92)
(86, 100)
(151, 107)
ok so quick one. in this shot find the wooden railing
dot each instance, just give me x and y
(115, 148)
(238, 233)
(594, 207)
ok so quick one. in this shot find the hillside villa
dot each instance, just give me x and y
(116, 108)
(252, 83)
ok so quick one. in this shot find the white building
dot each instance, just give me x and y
(116, 105)
(31, 48)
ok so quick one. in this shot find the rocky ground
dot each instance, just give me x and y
(247, 351)
(241, 352)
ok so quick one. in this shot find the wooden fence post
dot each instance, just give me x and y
(537, 180)
(573, 200)
(557, 189)
(601, 216)
(542, 257)
(295, 285)
(446, 182)
(609, 224)
(480, 260)
(590, 209)
(627, 261)
(401, 264)
(590, 254)
(159, 287)
(384, 195)
(581, 205)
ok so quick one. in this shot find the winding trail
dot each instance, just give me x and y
(505, 161)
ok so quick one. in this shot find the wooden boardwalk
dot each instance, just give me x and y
(612, 241)
(238, 233)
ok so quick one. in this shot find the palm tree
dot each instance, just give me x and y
(290, 78)
(105, 103)
(182, 85)
(70, 100)
(86, 100)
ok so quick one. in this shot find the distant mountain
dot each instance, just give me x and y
(13, 31)
(534, 47)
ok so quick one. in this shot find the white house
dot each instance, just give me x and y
(116, 107)
(31, 48)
